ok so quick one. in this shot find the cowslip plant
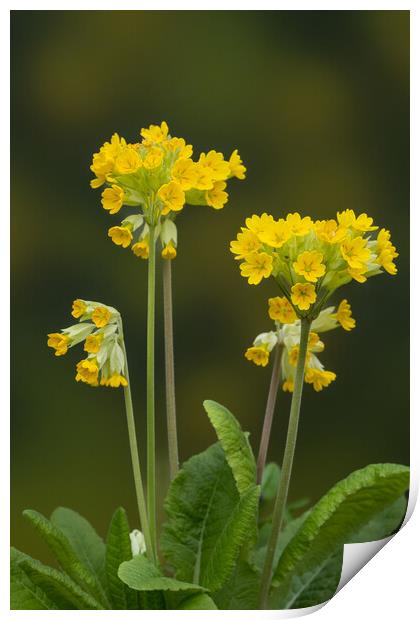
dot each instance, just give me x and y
(229, 540)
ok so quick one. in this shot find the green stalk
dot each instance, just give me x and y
(170, 369)
(135, 460)
(151, 447)
(286, 470)
(269, 412)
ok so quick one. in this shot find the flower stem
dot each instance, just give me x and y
(269, 412)
(286, 470)
(135, 460)
(169, 369)
(151, 447)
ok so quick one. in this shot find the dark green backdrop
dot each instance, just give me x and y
(318, 105)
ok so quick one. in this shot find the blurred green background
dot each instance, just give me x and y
(318, 105)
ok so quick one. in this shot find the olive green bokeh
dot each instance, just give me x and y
(318, 105)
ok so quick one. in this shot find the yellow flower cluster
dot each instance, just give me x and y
(158, 176)
(310, 260)
(100, 327)
(287, 336)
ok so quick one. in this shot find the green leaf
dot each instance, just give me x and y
(234, 443)
(287, 533)
(197, 601)
(118, 550)
(339, 515)
(56, 585)
(24, 594)
(241, 591)
(322, 583)
(270, 482)
(142, 575)
(64, 552)
(208, 521)
(89, 547)
(383, 524)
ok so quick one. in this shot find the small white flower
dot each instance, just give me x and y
(138, 544)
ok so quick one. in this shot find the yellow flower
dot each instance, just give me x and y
(344, 317)
(386, 260)
(78, 309)
(204, 178)
(303, 295)
(386, 252)
(141, 249)
(185, 173)
(355, 252)
(299, 226)
(346, 218)
(259, 223)
(112, 199)
(280, 309)
(155, 133)
(246, 242)
(258, 355)
(256, 267)
(172, 196)
(358, 274)
(288, 385)
(276, 234)
(120, 235)
(237, 169)
(169, 251)
(59, 342)
(294, 356)
(214, 162)
(178, 144)
(101, 316)
(364, 223)
(310, 265)
(93, 343)
(330, 231)
(217, 197)
(87, 371)
(127, 162)
(319, 378)
(114, 381)
(153, 159)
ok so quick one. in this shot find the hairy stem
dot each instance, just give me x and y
(135, 460)
(269, 412)
(151, 447)
(286, 470)
(169, 369)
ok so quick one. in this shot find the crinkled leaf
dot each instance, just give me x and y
(339, 515)
(141, 574)
(24, 594)
(56, 585)
(383, 524)
(65, 553)
(234, 443)
(208, 521)
(118, 550)
(197, 601)
(88, 545)
(241, 591)
(321, 584)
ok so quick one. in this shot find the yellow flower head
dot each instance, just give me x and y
(141, 248)
(154, 134)
(172, 196)
(310, 265)
(257, 266)
(346, 218)
(258, 355)
(358, 274)
(259, 223)
(214, 162)
(59, 342)
(246, 242)
(115, 380)
(364, 223)
(153, 158)
(303, 295)
(93, 343)
(127, 162)
(169, 251)
(288, 385)
(179, 145)
(78, 309)
(329, 231)
(319, 378)
(184, 172)
(344, 316)
(121, 235)
(101, 316)
(204, 178)
(237, 169)
(217, 197)
(280, 309)
(386, 252)
(299, 226)
(276, 234)
(112, 199)
(87, 371)
(355, 252)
